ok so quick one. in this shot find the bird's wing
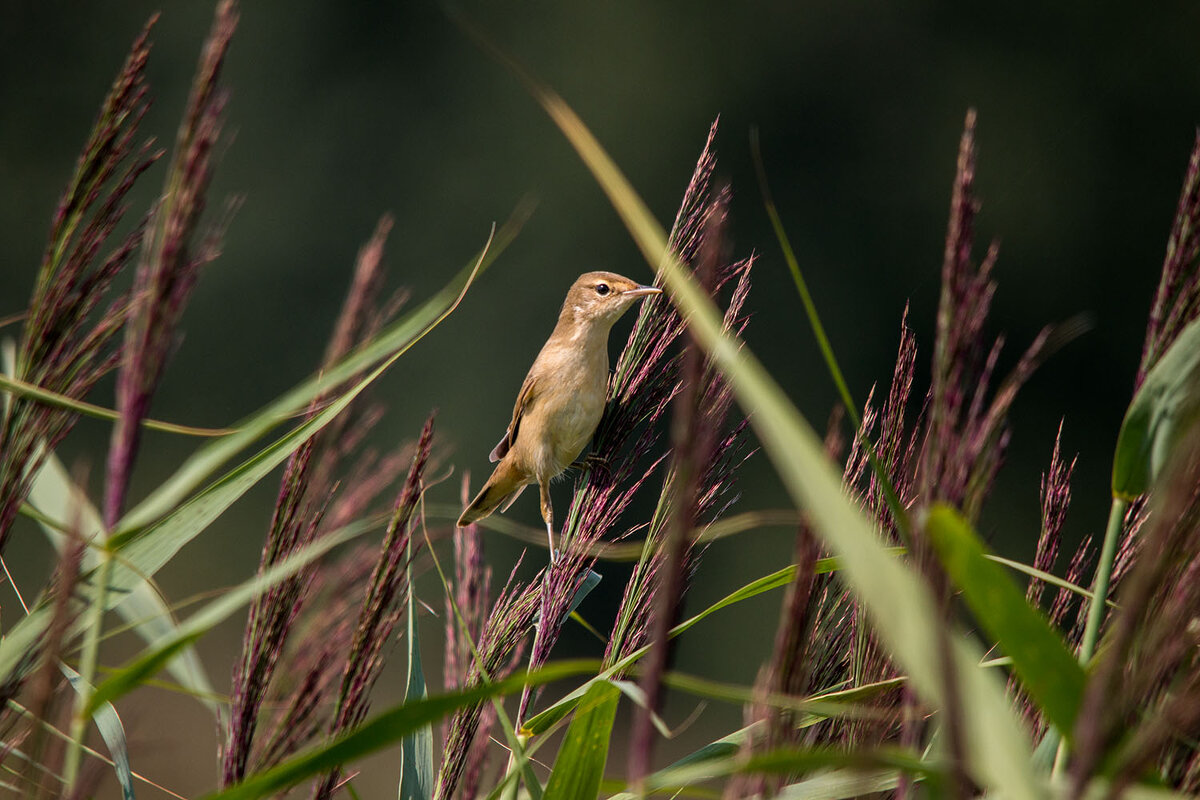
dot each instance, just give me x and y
(529, 390)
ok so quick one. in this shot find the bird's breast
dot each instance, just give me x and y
(569, 409)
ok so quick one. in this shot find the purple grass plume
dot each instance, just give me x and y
(1176, 303)
(472, 591)
(1056, 497)
(656, 379)
(312, 502)
(501, 644)
(1177, 300)
(66, 346)
(693, 438)
(172, 254)
(626, 447)
(790, 670)
(966, 434)
(382, 608)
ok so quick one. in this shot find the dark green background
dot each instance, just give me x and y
(344, 111)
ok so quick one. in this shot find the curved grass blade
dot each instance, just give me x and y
(791, 760)
(580, 764)
(1047, 669)
(1162, 412)
(902, 607)
(112, 732)
(389, 727)
(153, 659)
(775, 580)
(390, 344)
(630, 550)
(54, 495)
(1044, 577)
(20, 388)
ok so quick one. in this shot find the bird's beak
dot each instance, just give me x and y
(642, 291)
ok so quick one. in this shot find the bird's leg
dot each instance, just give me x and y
(548, 515)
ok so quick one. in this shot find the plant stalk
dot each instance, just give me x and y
(1096, 605)
(1108, 552)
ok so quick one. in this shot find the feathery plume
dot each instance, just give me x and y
(966, 435)
(381, 610)
(1056, 496)
(1177, 300)
(171, 259)
(311, 503)
(501, 644)
(63, 348)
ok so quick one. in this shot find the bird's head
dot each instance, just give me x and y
(602, 297)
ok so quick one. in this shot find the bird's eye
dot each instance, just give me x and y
(602, 289)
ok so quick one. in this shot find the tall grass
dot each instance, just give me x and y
(906, 659)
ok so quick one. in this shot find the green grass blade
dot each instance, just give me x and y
(389, 727)
(841, 783)
(580, 764)
(391, 343)
(1047, 669)
(19, 388)
(901, 606)
(108, 723)
(416, 750)
(153, 659)
(785, 761)
(1162, 412)
(775, 580)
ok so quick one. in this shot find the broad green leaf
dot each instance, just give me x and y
(1162, 411)
(580, 764)
(59, 501)
(900, 603)
(395, 340)
(113, 733)
(1047, 669)
(152, 659)
(389, 727)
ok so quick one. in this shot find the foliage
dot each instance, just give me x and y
(906, 657)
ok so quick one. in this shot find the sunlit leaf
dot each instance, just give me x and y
(580, 764)
(1162, 411)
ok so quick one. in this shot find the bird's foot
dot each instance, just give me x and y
(594, 463)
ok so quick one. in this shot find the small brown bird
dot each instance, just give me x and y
(560, 403)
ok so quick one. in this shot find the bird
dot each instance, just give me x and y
(561, 400)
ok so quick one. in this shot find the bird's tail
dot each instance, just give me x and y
(501, 489)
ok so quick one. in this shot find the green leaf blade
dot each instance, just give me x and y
(579, 767)
(389, 727)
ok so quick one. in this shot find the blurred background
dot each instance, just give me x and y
(341, 112)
